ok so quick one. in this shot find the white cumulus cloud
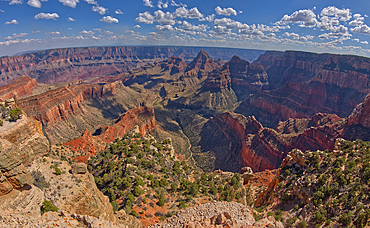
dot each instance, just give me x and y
(164, 18)
(184, 12)
(161, 5)
(12, 22)
(164, 27)
(47, 16)
(118, 11)
(306, 18)
(93, 2)
(209, 18)
(137, 26)
(34, 3)
(70, 3)
(53, 33)
(363, 29)
(109, 19)
(145, 18)
(12, 2)
(225, 11)
(148, 3)
(188, 26)
(343, 14)
(71, 19)
(100, 9)
(86, 33)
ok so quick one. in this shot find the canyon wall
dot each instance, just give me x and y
(67, 64)
(89, 144)
(302, 84)
(67, 111)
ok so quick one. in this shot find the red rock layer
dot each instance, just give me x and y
(264, 149)
(143, 117)
(306, 83)
(174, 65)
(201, 65)
(240, 75)
(67, 64)
(361, 114)
(58, 104)
(19, 88)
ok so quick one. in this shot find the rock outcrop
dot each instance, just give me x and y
(218, 214)
(201, 65)
(143, 117)
(67, 111)
(360, 115)
(302, 84)
(74, 193)
(19, 88)
(21, 142)
(236, 141)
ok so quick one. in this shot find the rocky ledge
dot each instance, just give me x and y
(217, 214)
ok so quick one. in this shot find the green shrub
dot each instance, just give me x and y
(138, 191)
(48, 206)
(115, 206)
(57, 171)
(182, 205)
(133, 213)
(15, 114)
(302, 224)
(161, 202)
(174, 187)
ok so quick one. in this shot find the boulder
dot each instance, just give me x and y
(9, 101)
(5, 186)
(247, 174)
(79, 168)
(19, 177)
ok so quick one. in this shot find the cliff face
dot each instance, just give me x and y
(201, 65)
(67, 111)
(223, 86)
(67, 64)
(73, 192)
(21, 142)
(88, 144)
(19, 88)
(302, 84)
(236, 141)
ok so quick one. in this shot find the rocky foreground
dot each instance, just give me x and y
(217, 214)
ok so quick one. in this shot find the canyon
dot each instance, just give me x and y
(220, 111)
(100, 63)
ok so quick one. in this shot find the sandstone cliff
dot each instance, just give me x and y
(20, 143)
(19, 88)
(67, 111)
(87, 144)
(201, 65)
(235, 141)
(302, 84)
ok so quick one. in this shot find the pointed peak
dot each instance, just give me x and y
(86, 133)
(203, 53)
(235, 59)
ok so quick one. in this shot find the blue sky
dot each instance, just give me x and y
(340, 26)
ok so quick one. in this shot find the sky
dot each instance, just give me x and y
(340, 26)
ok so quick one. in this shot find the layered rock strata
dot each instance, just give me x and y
(302, 84)
(20, 143)
(67, 111)
(100, 63)
(142, 117)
